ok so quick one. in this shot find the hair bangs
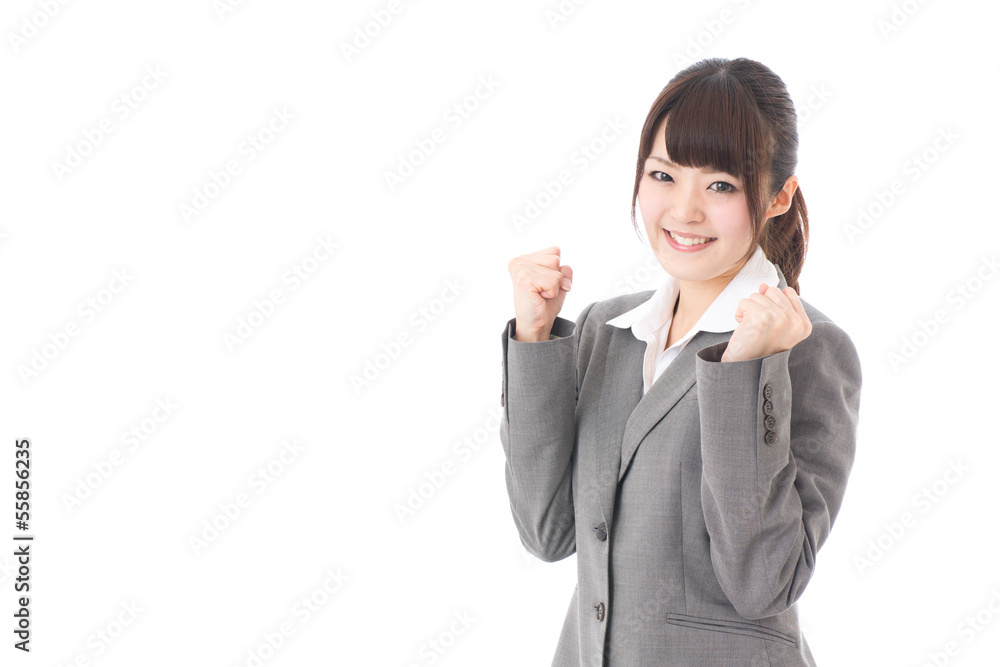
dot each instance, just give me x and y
(711, 125)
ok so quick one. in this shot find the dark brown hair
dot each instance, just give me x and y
(735, 116)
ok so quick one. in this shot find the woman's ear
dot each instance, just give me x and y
(783, 200)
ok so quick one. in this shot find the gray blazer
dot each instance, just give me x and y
(696, 510)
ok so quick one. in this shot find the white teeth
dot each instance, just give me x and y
(686, 241)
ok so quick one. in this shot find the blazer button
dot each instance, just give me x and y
(770, 437)
(767, 390)
(600, 611)
(768, 407)
(769, 422)
(602, 531)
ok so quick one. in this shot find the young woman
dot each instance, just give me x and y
(690, 444)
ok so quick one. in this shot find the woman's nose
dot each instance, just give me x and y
(685, 207)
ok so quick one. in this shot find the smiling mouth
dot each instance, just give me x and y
(690, 241)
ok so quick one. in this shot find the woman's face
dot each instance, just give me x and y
(696, 205)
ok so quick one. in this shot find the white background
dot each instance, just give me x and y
(869, 101)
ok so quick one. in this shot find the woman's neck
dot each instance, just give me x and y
(693, 299)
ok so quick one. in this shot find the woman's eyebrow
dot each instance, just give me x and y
(674, 166)
(671, 164)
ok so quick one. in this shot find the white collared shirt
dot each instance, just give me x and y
(650, 320)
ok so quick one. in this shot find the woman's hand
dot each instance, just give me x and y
(769, 321)
(540, 286)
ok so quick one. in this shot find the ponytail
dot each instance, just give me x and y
(785, 237)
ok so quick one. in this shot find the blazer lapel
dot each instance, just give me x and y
(675, 381)
(625, 357)
(620, 394)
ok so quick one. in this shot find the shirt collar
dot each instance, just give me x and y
(652, 314)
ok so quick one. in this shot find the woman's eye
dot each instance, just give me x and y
(663, 177)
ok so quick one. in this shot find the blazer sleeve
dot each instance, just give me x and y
(538, 434)
(778, 438)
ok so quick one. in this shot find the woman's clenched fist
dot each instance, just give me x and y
(540, 286)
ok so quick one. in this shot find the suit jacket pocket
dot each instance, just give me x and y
(734, 627)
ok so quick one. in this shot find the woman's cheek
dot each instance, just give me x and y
(732, 221)
(651, 214)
